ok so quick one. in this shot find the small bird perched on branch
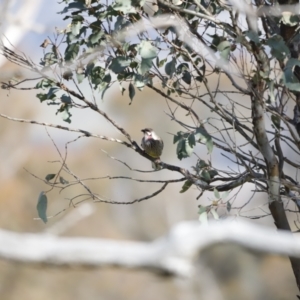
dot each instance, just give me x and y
(152, 144)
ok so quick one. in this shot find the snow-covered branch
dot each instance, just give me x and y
(173, 253)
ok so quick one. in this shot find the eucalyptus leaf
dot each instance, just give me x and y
(289, 79)
(131, 91)
(203, 218)
(139, 81)
(66, 115)
(186, 77)
(276, 121)
(125, 6)
(145, 66)
(42, 207)
(62, 180)
(205, 175)
(289, 19)
(224, 49)
(170, 67)
(71, 52)
(214, 213)
(228, 206)
(217, 194)
(121, 23)
(75, 27)
(203, 136)
(66, 99)
(253, 36)
(147, 50)
(119, 64)
(184, 149)
(279, 49)
(212, 173)
(187, 184)
(50, 177)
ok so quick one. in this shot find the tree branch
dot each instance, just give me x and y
(173, 254)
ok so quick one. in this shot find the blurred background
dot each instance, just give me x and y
(27, 149)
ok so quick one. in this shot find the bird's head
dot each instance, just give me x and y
(149, 133)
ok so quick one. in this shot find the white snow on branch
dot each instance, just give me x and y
(173, 253)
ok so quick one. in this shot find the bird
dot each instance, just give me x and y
(152, 144)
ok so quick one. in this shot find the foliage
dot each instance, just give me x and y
(189, 46)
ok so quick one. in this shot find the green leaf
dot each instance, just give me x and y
(97, 73)
(228, 206)
(279, 49)
(204, 137)
(52, 93)
(42, 207)
(66, 99)
(122, 89)
(65, 113)
(121, 23)
(119, 64)
(75, 27)
(202, 209)
(160, 63)
(95, 37)
(63, 181)
(131, 91)
(146, 50)
(145, 66)
(80, 77)
(216, 40)
(192, 140)
(202, 164)
(170, 67)
(42, 97)
(224, 49)
(49, 59)
(43, 84)
(225, 195)
(217, 194)
(107, 78)
(186, 77)
(187, 184)
(89, 67)
(70, 38)
(212, 173)
(124, 6)
(214, 213)
(289, 79)
(203, 214)
(199, 78)
(139, 81)
(184, 149)
(289, 19)
(50, 177)
(276, 121)
(186, 142)
(253, 36)
(148, 53)
(177, 137)
(182, 68)
(205, 175)
(74, 5)
(71, 52)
